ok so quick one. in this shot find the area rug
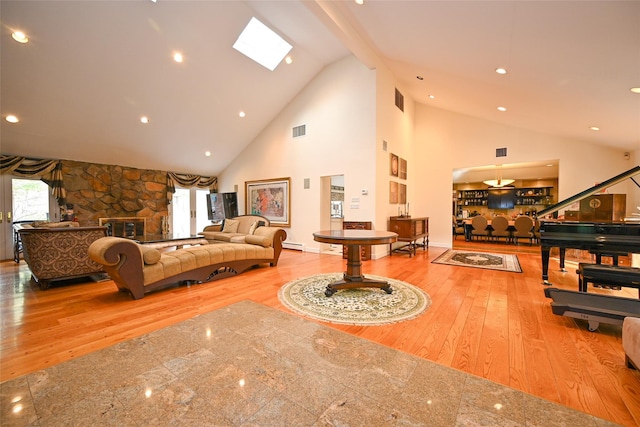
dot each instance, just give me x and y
(360, 306)
(491, 261)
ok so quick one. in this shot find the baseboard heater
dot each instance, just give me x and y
(293, 245)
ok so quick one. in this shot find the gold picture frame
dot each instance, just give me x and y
(393, 192)
(270, 198)
(402, 173)
(394, 165)
(402, 194)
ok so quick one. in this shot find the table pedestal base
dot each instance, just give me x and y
(349, 282)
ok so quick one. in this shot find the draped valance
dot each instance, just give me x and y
(187, 181)
(49, 171)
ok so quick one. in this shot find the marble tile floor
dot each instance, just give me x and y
(251, 365)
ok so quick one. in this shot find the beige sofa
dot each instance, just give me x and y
(58, 250)
(139, 269)
(234, 230)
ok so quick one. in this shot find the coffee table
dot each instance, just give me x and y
(158, 241)
(353, 239)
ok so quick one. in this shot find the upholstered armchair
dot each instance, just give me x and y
(57, 251)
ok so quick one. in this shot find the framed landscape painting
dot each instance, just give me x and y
(270, 198)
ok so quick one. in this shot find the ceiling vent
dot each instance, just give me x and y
(299, 131)
(501, 152)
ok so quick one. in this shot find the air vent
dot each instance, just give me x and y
(399, 100)
(501, 152)
(299, 131)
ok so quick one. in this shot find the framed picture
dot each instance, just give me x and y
(403, 169)
(394, 165)
(393, 192)
(402, 194)
(270, 198)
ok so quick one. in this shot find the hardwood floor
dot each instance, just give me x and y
(492, 324)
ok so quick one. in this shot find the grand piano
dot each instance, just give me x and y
(602, 238)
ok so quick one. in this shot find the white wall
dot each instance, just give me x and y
(396, 127)
(338, 109)
(349, 111)
(447, 140)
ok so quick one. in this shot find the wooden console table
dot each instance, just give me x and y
(413, 231)
(357, 225)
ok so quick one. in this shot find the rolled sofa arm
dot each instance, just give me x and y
(122, 260)
(277, 235)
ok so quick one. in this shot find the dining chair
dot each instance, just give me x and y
(458, 230)
(500, 228)
(524, 229)
(479, 224)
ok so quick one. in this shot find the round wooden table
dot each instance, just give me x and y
(353, 239)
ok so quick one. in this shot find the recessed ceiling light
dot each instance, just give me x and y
(144, 119)
(594, 128)
(288, 60)
(11, 118)
(177, 56)
(502, 109)
(635, 89)
(20, 37)
(432, 97)
(360, 2)
(241, 114)
(419, 77)
(501, 71)
(262, 44)
(207, 153)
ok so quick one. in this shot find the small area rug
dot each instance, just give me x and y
(491, 261)
(361, 306)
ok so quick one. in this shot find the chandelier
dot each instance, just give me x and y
(499, 181)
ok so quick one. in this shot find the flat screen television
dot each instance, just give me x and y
(222, 205)
(501, 198)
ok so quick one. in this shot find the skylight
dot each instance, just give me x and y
(260, 43)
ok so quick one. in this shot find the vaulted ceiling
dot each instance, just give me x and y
(92, 69)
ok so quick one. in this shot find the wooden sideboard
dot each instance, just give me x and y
(357, 225)
(412, 231)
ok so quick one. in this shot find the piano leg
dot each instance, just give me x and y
(562, 252)
(545, 264)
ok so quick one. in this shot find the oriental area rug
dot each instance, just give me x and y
(360, 306)
(491, 261)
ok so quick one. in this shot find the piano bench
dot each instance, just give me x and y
(631, 341)
(609, 254)
(608, 275)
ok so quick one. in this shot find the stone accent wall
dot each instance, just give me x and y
(100, 191)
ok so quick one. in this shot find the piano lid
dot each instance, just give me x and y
(593, 190)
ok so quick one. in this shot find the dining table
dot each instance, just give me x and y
(468, 227)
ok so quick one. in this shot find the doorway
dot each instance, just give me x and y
(23, 199)
(332, 208)
(189, 213)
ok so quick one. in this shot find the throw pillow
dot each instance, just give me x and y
(253, 227)
(150, 256)
(231, 226)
